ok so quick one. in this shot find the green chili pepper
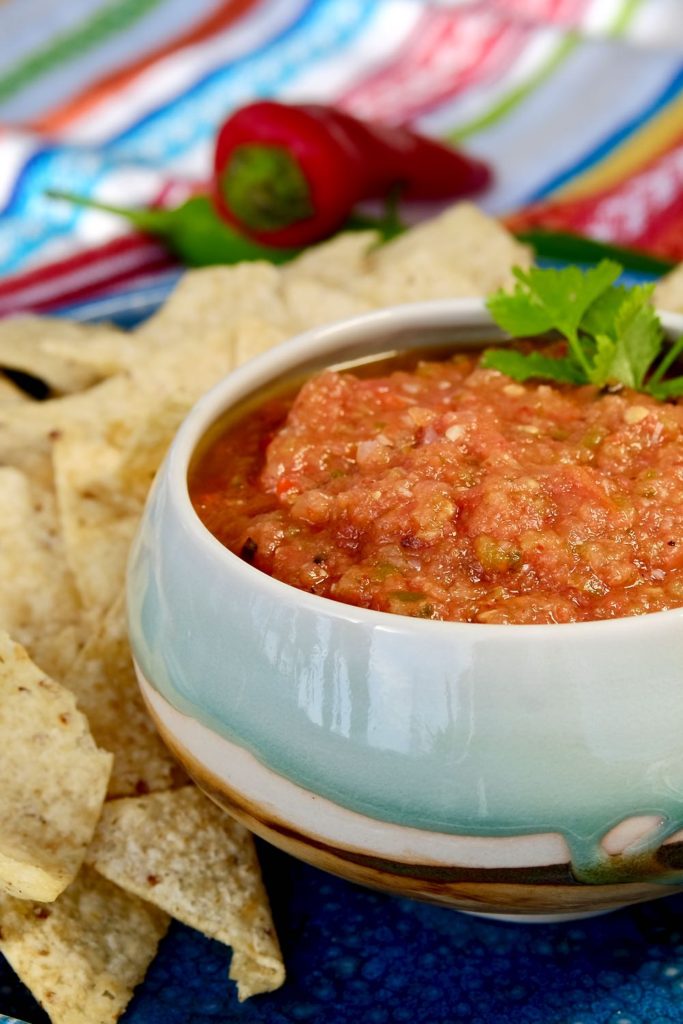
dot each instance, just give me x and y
(193, 231)
(200, 237)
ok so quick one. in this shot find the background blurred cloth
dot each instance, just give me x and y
(576, 103)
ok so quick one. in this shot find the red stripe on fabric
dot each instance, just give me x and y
(448, 52)
(145, 277)
(80, 275)
(668, 239)
(83, 258)
(550, 12)
(99, 91)
(638, 212)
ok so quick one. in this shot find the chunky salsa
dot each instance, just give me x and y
(449, 491)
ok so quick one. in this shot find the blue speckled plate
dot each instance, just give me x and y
(357, 957)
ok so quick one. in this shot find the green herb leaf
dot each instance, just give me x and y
(613, 333)
(519, 313)
(601, 315)
(664, 389)
(547, 299)
(638, 337)
(604, 354)
(523, 366)
(665, 363)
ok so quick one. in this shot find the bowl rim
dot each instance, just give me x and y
(237, 384)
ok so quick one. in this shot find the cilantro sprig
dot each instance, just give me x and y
(613, 333)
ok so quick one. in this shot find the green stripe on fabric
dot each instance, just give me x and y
(625, 17)
(114, 18)
(509, 102)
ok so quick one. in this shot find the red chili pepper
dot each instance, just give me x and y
(290, 175)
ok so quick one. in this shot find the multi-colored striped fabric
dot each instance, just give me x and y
(577, 103)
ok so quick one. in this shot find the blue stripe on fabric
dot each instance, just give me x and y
(22, 192)
(669, 93)
(327, 24)
(127, 306)
(324, 26)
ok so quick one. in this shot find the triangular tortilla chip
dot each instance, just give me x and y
(25, 345)
(181, 852)
(54, 780)
(97, 531)
(103, 681)
(37, 596)
(83, 955)
(463, 245)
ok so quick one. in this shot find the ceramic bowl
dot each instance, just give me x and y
(507, 770)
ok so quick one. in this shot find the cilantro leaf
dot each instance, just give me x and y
(669, 359)
(602, 313)
(604, 354)
(639, 338)
(521, 367)
(519, 313)
(671, 388)
(546, 299)
(613, 333)
(543, 299)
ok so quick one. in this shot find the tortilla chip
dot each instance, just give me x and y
(98, 521)
(9, 392)
(144, 452)
(53, 782)
(28, 430)
(31, 344)
(668, 293)
(55, 651)
(83, 955)
(37, 597)
(212, 299)
(461, 253)
(103, 680)
(102, 486)
(183, 372)
(254, 335)
(181, 852)
(415, 278)
(312, 303)
(108, 351)
(338, 262)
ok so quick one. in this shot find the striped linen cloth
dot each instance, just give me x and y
(578, 104)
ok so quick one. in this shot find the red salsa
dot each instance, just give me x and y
(452, 492)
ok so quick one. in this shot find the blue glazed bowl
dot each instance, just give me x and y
(506, 770)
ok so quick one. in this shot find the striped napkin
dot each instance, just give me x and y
(576, 103)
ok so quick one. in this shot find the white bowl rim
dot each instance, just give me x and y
(209, 408)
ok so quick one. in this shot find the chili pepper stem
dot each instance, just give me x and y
(265, 188)
(145, 219)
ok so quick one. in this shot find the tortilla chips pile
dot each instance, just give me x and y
(102, 837)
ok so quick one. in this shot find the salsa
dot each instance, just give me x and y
(449, 491)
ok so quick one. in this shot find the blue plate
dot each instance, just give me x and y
(358, 957)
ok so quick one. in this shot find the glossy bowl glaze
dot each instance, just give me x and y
(509, 770)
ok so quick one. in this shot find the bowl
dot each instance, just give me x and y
(526, 772)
